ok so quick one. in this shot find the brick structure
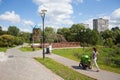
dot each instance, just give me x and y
(65, 44)
(36, 34)
(59, 45)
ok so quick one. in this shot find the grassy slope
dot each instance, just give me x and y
(61, 70)
(3, 49)
(75, 54)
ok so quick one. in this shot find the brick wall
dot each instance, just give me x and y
(65, 44)
(60, 45)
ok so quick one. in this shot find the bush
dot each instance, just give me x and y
(109, 42)
(9, 40)
(114, 56)
(18, 41)
(6, 40)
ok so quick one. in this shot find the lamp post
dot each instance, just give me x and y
(32, 38)
(43, 17)
(83, 31)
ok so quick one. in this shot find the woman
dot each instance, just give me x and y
(94, 57)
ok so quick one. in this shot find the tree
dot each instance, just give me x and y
(13, 30)
(0, 28)
(18, 41)
(115, 28)
(94, 38)
(65, 32)
(116, 33)
(2, 32)
(108, 42)
(6, 40)
(49, 34)
(25, 36)
(76, 32)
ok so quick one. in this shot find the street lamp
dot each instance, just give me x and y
(83, 31)
(43, 16)
(33, 38)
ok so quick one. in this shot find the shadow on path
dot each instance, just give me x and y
(80, 68)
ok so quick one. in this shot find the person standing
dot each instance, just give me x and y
(94, 57)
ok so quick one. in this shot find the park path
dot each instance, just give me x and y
(102, 75)
(22, 66)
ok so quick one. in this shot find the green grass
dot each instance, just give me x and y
(76, 53)
(3, 49)
(61, 70)
(28, 49)
(68, 53)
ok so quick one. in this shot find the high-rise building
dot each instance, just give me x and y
(100, 24)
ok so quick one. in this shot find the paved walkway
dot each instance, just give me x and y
(22, 66)
(102, 75)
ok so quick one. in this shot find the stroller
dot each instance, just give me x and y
(85, 62)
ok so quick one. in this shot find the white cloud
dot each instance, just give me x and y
(58, 11)
(25, 29)
(115, 17)
(28, 22)
(90, 22)
(10, 16)
(4, 27)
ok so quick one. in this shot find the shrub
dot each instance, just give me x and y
(109, 42)
(18, 41)
(114, 56)
(6, 40)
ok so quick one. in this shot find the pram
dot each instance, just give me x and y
(85, 62)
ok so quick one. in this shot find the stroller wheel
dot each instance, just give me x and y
(79, 64)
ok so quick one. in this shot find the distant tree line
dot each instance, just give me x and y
(76, 33)
(13, 36)
(86, 36)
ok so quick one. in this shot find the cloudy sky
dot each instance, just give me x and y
(60, 13)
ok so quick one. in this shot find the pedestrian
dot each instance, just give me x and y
(50, 48)
(94, 57)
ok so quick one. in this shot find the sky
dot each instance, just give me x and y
(25, 14)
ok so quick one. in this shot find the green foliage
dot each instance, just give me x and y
(9, 40)
(6, 40)
(114, 56)
(18, 41)
(2, 32)
(3, 49)
(108, 42)
(63, 71)
(113, 34)
(76, 31)
(25, 36)
(13, 30)
(0, 28)
(65, 32)
(49, 35)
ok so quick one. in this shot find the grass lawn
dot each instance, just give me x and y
(61, 70)
(28, 49)
(3, 49)
(75, 54)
